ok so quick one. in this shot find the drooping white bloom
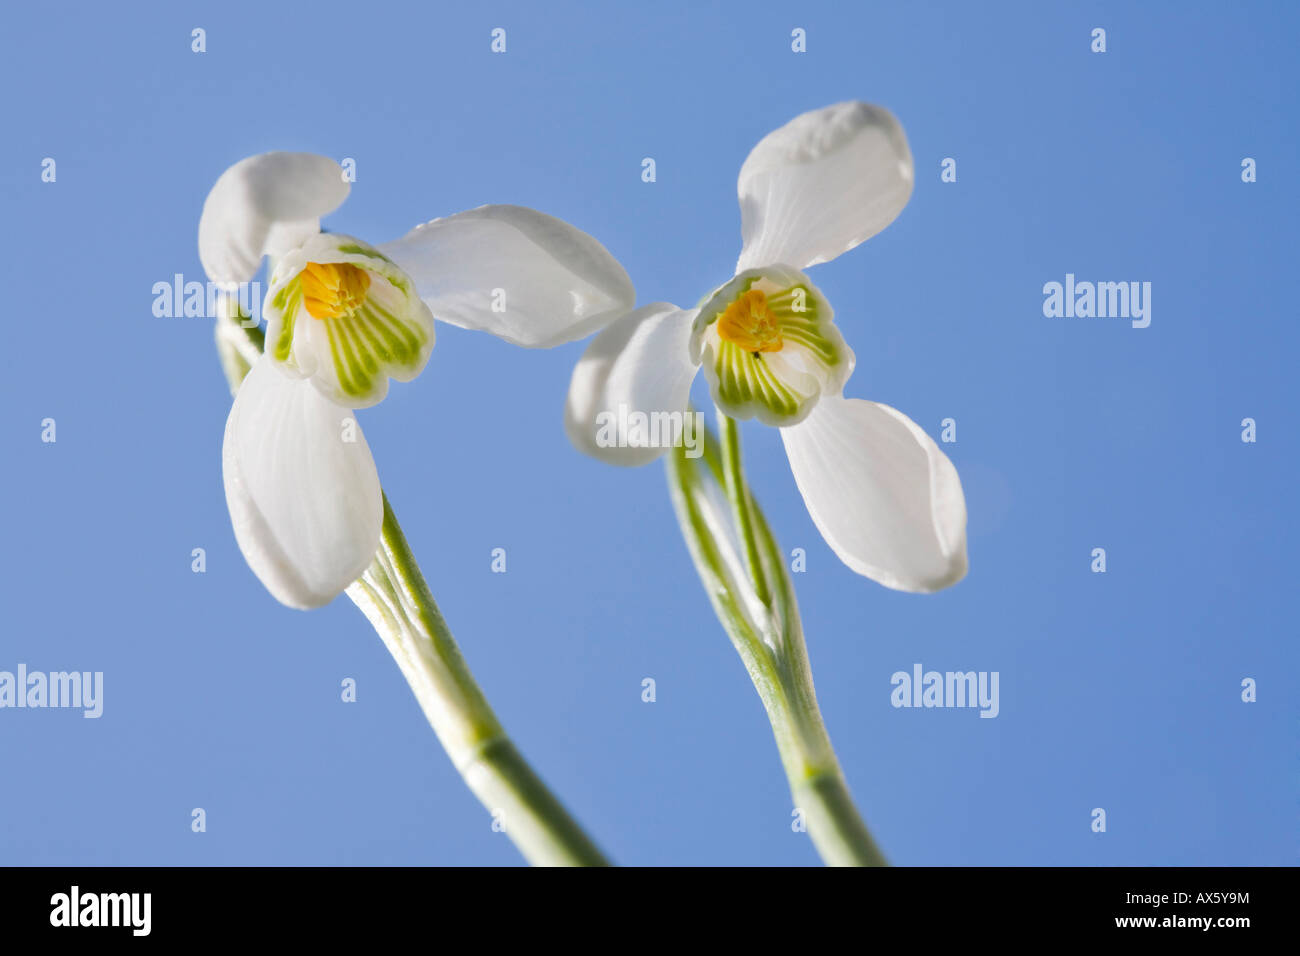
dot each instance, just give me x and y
(344, 317)
(881, 492)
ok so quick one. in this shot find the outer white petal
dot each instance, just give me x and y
(639, 365)
(821, 184)
(305, 503)
(522, 275)
(265, 204)
(882, 494)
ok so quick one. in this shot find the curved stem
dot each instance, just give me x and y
(817, 782)
(740, 503)
(395, 598)
(770, 643)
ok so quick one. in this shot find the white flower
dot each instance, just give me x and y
(343, 317)
(885, 498)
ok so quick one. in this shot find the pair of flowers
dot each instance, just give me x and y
(344, 316)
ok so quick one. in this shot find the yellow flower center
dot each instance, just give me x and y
(332, 289)
(749, 324)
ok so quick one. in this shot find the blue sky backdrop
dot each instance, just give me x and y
(1119, 690)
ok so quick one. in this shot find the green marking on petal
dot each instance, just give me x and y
(745, 377)
(412, 337)
(375, 345)
(394, 275)
(359, 361)
(394, 349)
(278, 300)
(287, 300)
(354, 249)
(341, 368)
(369, 342)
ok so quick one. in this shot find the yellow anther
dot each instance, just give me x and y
(749, 324)
(332, 289)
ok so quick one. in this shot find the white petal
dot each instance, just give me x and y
(821, 184)
(265, 204)
(882, 494)
(640, 365)
(305, 502)
(522, 275)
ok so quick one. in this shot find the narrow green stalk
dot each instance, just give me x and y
(768, 635)
(395, 598)
(817, 782)
(735, 485)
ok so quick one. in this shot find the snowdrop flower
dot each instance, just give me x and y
(344, 317)
(885, 498)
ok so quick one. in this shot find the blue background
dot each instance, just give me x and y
(1118, 690)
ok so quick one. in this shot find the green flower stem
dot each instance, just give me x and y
(734, 480)
(768, 635)
(393, 595)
